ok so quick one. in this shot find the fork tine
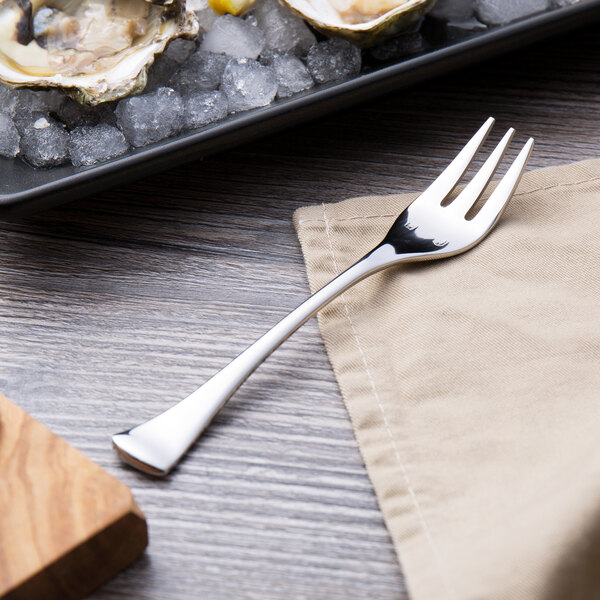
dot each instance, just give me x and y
(467, 198)
(494, 207)
(453, 173)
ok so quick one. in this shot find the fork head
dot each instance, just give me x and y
(428, 229)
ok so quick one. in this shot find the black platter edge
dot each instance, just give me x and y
(257, 123)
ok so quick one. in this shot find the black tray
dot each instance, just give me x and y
(24, 190)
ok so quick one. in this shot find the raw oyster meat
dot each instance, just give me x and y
(363, 22)
(98, 50)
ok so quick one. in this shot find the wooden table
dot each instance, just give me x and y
(114, 306)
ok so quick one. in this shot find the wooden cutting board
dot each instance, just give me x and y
(66, 525)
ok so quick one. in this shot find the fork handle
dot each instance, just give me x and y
(157, 445)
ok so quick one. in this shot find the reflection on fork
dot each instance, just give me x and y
(425, 230)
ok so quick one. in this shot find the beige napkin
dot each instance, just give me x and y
(473, 386)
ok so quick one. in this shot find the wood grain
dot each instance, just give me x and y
(113, 307)
(66, 525)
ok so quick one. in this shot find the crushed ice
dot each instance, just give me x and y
(236, 64)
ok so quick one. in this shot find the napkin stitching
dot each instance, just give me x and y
(538, 189)
(411, 491)
(557, 185)
(354, 218)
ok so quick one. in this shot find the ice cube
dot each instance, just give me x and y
(500, 12)
(201, 72)
(150, 117)
(9, 137)
(453, 10)
(251, 19)
(284, 31)
(180, 50)
(206, 18)
(204, 13)
(44, 142)
(8, 100)
(195, 5)
(161, 73)
(333, 60)
(235, 37)
(98, 143)
(267, 56)
(248, 84)
(73, 114)
(292, 75)
(30, 101)
(202, 108)
(407, 44)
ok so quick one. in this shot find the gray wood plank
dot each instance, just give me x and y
(114, 306)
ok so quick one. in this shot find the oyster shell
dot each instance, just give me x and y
(98, 50)
(363, 22)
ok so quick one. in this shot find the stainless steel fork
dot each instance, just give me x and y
(426, 230)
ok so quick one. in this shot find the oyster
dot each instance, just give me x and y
(363, 22)
(98, 50)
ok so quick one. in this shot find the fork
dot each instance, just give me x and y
(426, 230)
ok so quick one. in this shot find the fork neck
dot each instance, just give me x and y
(403, 236)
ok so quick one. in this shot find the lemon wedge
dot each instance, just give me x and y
(233, 7)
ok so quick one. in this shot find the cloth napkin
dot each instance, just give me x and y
(473, 386)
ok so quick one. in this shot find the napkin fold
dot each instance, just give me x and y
(473, 386)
